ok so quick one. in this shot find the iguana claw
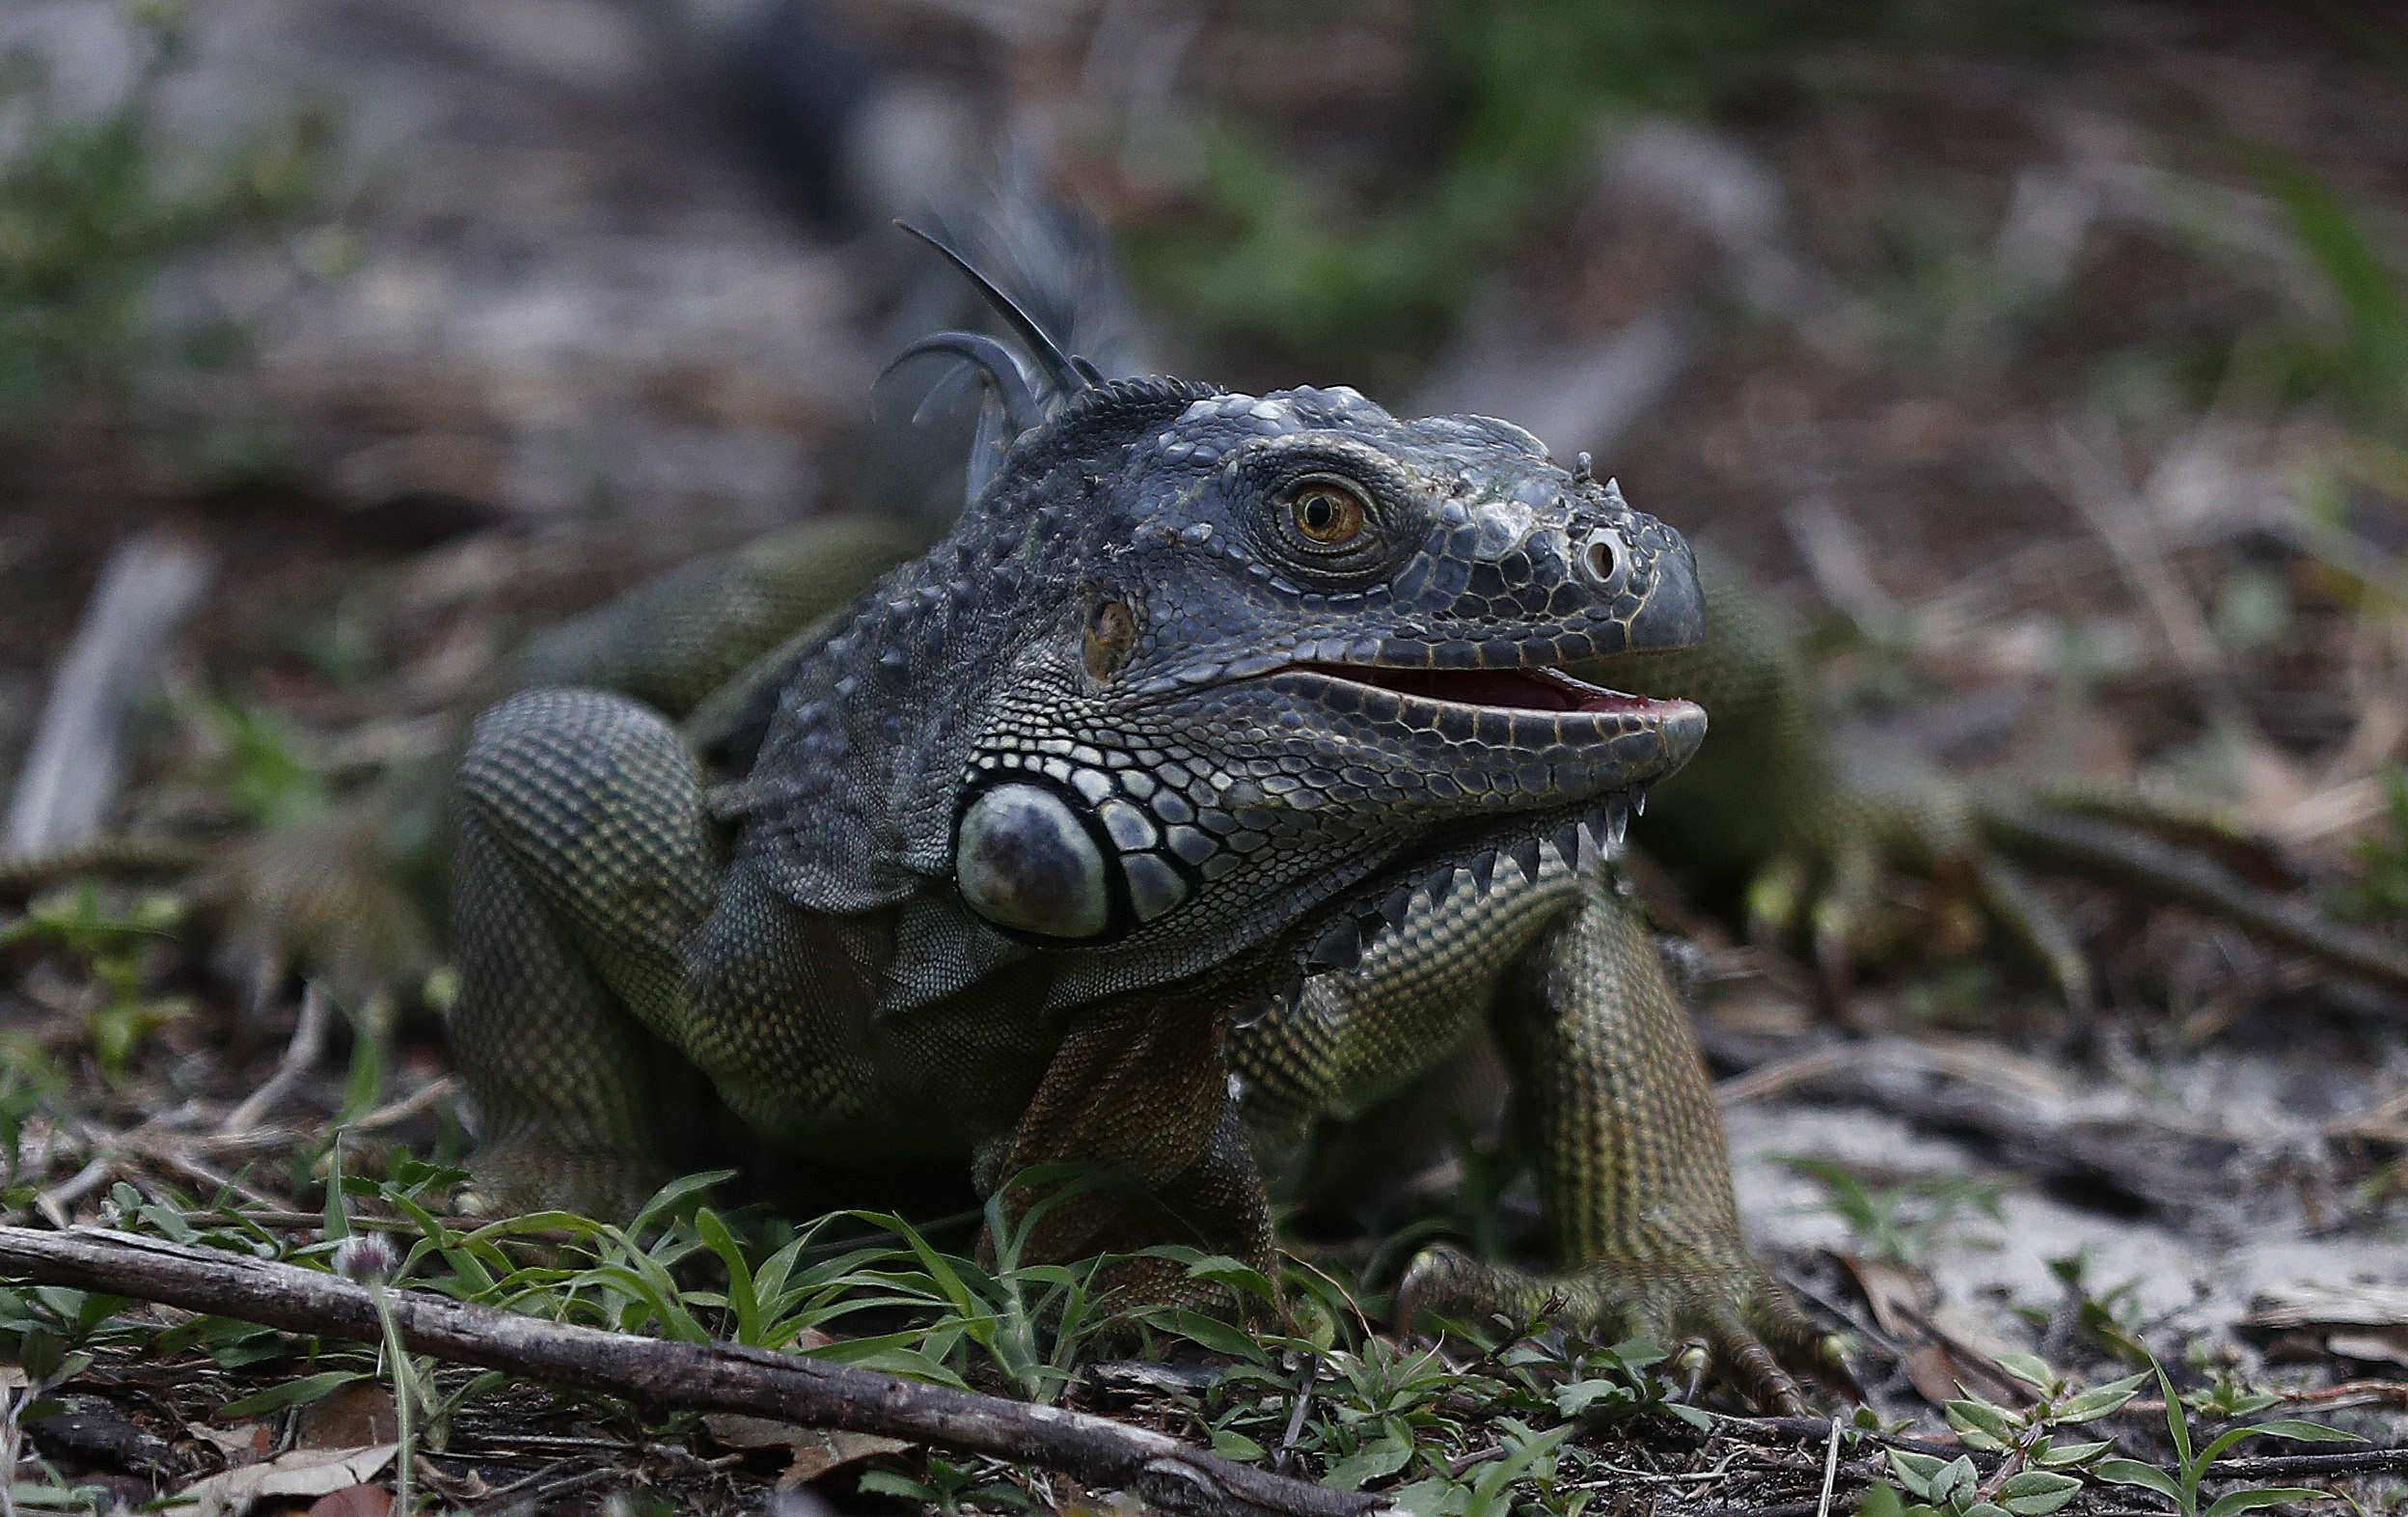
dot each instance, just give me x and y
(1752, 1335)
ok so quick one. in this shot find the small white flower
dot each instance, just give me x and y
(365, 1258)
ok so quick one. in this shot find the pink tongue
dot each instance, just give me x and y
(1581, 696)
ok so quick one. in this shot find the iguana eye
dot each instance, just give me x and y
(1329, 512)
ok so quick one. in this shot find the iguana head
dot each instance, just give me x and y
(1312, 637)
(1197, 663)
(1194, 671)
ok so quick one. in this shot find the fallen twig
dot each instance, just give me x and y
(1157, 1467)
(2315, 1465)
(2123, 856)
(71, 770)
(403, 1107)
(309, 1040)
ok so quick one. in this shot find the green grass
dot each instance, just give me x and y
(1477, 1427)
(871, 1290)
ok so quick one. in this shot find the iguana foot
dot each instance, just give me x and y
(1737, 1314)
(532, 1173)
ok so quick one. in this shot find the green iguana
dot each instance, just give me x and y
(1218, 764)
(1775, 801)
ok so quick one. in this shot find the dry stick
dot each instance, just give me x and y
(708, 1377)
(308, 1039)
(2314, 1466)
(71, 771)
(1830, 1471)
(22, 875)
(403, 1107)
(2140, 862)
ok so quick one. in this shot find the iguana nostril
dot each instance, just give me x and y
(1602, 560)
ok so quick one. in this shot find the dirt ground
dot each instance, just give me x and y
(2017, 365)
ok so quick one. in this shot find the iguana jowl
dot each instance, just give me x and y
(1221, 734)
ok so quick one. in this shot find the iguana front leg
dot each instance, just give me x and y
(598, 926)
(1138, 1098)
(582, 862)
(1612, 1107)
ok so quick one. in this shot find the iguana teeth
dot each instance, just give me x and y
(1442, 885)
(1617, 824)
(1484, 869)
(1525, 852)
(1341, 947)
(1568, 844)
(1398, 903)
(1638, 799)
(1590, 848)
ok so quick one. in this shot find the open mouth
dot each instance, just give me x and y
(1529, 689)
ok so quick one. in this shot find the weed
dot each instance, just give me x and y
(2381, 889)
(2181, 1485)
(366, 1258)
(2361, 358)
(44, 1363)
(111, 946)
(1899, 1224)
(30, 1082)
(260, 766)
(2039, 1471)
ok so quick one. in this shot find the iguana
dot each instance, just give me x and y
(1775, 797)
(1218, 763)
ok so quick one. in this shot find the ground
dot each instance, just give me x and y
(2048, 368)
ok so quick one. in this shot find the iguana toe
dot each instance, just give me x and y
(1734, 1317)
(531, 1174)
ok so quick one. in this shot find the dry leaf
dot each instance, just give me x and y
(244, 1442)
(816, 1450)
(1940, 1368)
(1898, 1295)
(358, 1416)
(298, 1472)
(353, 1500)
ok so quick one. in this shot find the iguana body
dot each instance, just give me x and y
(1220, 737)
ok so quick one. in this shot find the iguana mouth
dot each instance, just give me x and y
(1533, 688)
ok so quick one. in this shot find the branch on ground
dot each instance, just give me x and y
(1157, 1467)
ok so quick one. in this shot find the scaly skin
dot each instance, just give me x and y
(1131, 783)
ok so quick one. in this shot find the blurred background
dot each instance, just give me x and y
(2031, 353)
(2045, 363)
